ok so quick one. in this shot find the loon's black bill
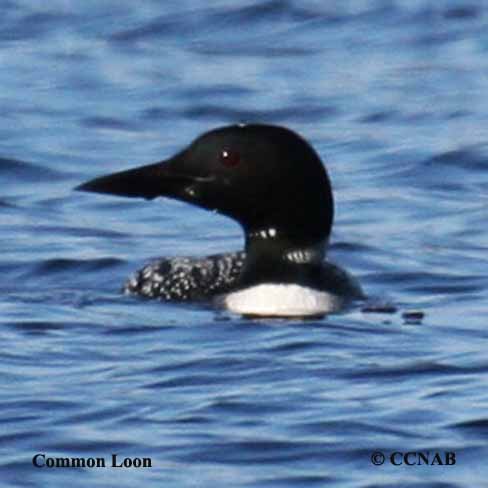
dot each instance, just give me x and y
(148, 182)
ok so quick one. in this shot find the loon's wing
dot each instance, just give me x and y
(338, 281)
(187, 279)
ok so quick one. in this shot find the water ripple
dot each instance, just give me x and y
(393, 97)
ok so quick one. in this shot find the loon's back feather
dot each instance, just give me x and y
(187, 278)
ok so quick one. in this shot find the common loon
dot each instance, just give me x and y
(273, 183)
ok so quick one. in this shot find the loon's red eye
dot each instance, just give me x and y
(230, 159)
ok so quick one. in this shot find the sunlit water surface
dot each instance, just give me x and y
(393, 95)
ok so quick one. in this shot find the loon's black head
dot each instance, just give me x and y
(265, 177)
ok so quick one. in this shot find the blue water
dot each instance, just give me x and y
(393, 95)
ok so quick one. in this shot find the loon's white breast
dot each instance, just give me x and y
(281, 300)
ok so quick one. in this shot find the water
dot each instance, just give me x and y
(392, 94)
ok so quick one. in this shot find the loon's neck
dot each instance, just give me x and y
(275, 245)
(274, 256)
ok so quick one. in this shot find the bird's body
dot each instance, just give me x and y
(273, 183)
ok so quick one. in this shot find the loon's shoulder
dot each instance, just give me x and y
(187, 278)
